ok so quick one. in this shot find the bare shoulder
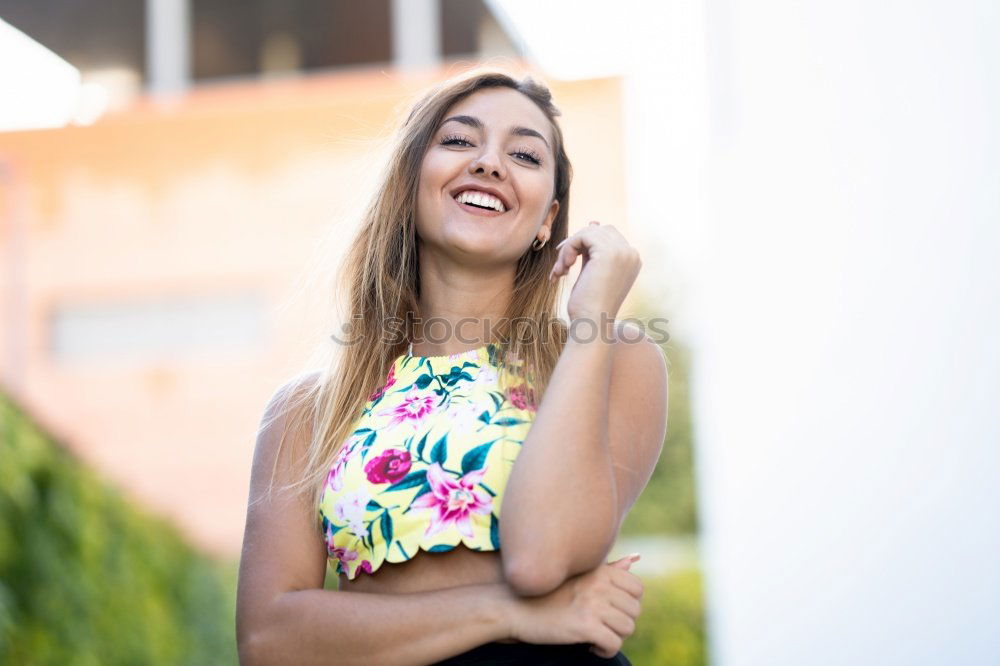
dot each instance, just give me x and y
(637, 355)
(293, 393)
(282, 547)
(291, 400)
(286, 426)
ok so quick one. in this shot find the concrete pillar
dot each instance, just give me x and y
(168, 46)
(416, 33)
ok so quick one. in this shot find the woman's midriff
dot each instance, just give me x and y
(426, 571)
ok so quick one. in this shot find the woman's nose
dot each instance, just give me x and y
(488, 161)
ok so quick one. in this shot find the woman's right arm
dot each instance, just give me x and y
(283, 614)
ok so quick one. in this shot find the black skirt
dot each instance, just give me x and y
(518, 654)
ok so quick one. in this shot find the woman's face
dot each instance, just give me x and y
(500, 143)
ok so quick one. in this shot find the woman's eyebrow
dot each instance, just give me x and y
(472, 121)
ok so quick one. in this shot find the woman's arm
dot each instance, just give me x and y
(319, 626)
(283, 614)
(598, 431)
(591, 450)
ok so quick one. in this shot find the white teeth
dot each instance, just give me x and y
(480, 199)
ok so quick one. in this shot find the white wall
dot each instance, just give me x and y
(848, 372)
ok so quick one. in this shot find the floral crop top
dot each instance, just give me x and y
(427, 462)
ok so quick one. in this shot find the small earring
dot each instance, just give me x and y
(536, 247)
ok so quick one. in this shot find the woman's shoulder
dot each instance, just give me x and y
(635, 352)
(289, 408)
(304, 379)
(294, 388)
(629, 334)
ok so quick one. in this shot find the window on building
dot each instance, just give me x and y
(157, 328)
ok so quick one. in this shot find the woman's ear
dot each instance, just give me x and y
(553, 211)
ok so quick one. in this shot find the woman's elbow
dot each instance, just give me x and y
(253, 640)
(250, 648)
(530, 579)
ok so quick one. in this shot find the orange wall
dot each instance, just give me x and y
(235, 187)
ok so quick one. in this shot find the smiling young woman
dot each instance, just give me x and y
(395, 465)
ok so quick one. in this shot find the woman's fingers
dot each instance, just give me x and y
(570, 248)
(581, 243)
(627, 604)
(627, 559)
(620, 622)
(607, 643)
(625, 562)
(568, 253)
(628, 581)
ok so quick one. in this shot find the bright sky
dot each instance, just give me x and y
(573, 39)
(48, 90)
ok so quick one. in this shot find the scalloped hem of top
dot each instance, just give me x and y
(420, 546)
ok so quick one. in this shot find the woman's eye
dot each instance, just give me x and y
(457, 140)
(529, 157)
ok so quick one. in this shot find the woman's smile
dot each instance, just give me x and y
(475, 210)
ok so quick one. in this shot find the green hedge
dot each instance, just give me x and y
(85, 578)
(670, 630)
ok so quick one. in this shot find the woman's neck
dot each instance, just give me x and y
(460, 308)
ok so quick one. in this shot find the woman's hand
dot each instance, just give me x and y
(610, 266)
(597, 607)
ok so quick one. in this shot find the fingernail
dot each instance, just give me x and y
(634, 556)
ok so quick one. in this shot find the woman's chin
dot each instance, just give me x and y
(471, 234)
(482, 246)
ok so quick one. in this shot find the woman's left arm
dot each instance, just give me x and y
(598, 431)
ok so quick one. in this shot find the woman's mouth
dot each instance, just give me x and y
(476, 210)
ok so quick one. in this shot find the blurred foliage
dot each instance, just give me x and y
(668, 504)
(85, 578)
(670, 629)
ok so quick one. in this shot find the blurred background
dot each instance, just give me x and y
(815, 192)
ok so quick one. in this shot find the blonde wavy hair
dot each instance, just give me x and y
(379, 283)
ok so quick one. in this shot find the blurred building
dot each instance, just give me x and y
(158, 45)
(156, 265)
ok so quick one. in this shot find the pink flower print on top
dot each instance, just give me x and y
(464, 415)
(335, 479)
(414, 409)
(350, 508)
(389, 381)
(345, 555)
(486, 377)
(342, 554)
(452, 500)
(523, 397)
(389, 467)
